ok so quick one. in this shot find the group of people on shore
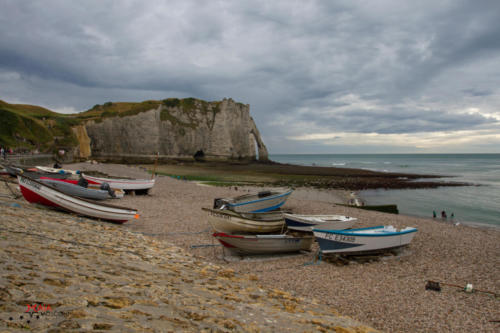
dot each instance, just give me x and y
(444, 216)
(3, 152)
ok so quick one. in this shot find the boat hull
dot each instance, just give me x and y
(122, 184)
(264, 244)
(361, 240)
(309, 222)
(38, 192)
(118, 193)
(232, 222)
(55, 170)
(78, 191)
(256, 203)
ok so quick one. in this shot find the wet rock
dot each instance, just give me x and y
(117, 302)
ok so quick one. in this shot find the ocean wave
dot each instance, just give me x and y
(339, 164)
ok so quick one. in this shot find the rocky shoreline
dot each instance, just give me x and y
(172, 241)
(62, 273)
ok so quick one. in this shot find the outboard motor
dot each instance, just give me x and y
(83, 182)
(263, 194)
(219, 203)
(106, 187)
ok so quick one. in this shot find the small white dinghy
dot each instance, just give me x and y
(364, 240)
(122, 184)
(308, 222)
(264, 244)
(56, 170)
(35, 191)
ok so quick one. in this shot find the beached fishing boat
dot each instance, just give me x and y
(56, 170)
(35, 191)
(364, 240)
(233, 222)
(264, 244)
(123, 184)
(254, 203)
(76, 190)
(308, 222)
(114, 193)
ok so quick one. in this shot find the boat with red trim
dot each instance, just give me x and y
(34, 191)
(123, 184)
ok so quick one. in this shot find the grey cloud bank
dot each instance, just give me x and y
(320, 76)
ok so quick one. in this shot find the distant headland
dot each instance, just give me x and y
(171, 129)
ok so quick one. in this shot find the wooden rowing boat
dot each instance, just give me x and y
(232, 222)
(264, 244)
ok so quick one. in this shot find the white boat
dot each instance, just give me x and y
(364, 240)
(123, 184)
(264, 244)
(232, 222)
(35, 191)
(308, 222)
(56, 170)
(254, 203)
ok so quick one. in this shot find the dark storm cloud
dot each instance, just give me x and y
(399, 121)
(400, 60)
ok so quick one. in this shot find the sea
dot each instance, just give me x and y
(477, 205)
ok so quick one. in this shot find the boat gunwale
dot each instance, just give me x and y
(354, 232)
(231, 202)
(120, 180)
(238, 215)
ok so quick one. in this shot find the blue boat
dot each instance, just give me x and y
(263, 201)
(364, 240)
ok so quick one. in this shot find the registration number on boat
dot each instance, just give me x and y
(222, 216)
(341, 238)
(30, 183)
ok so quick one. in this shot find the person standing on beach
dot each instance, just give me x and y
(434, 214)
(2, 152)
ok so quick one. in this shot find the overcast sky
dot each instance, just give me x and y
(320, 76)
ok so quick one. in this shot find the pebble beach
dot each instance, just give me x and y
(165, 272)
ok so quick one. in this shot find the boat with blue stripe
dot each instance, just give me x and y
(363, 240)
(260, 202)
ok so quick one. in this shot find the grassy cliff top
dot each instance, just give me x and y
(29, 127)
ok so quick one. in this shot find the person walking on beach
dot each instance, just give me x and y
(433, 214)
(443, 215)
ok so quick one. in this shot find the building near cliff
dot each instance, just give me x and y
(173, 128)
